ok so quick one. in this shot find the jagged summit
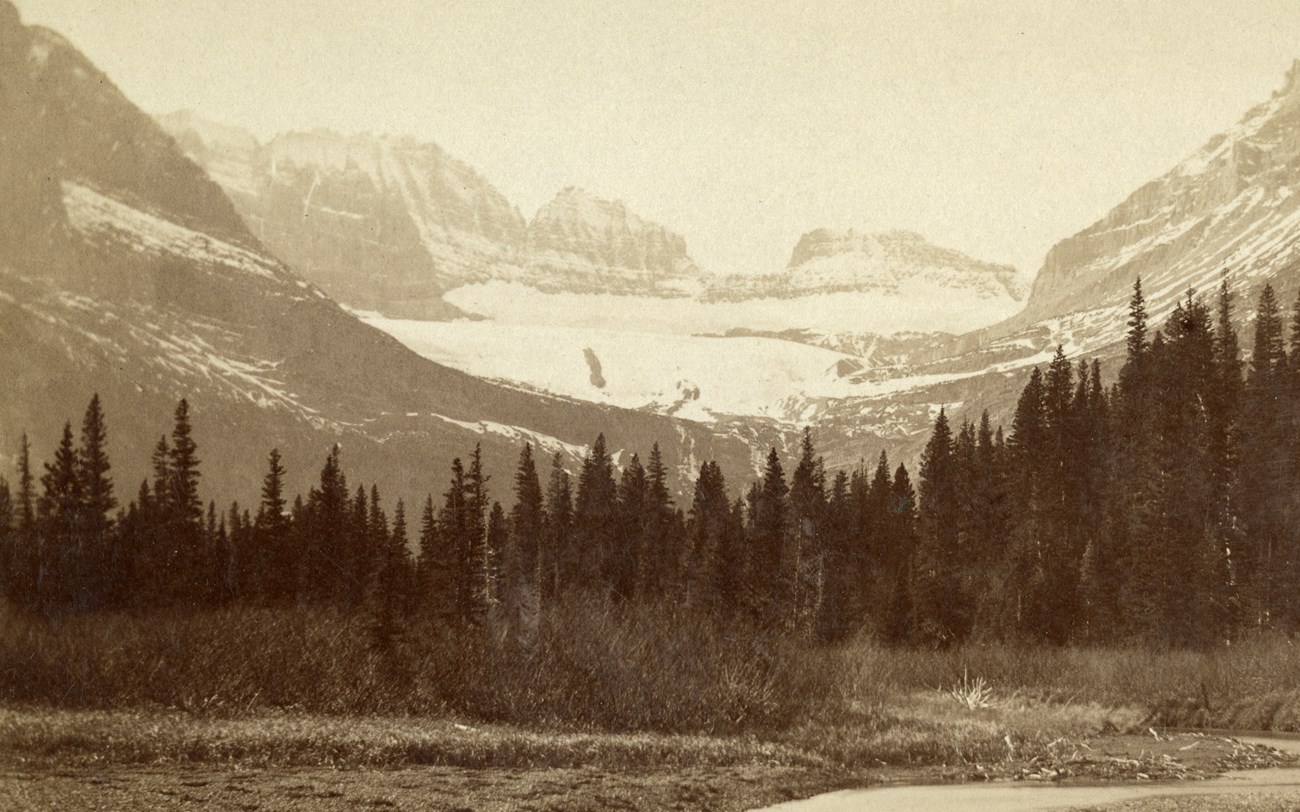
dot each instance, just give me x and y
(391, 223)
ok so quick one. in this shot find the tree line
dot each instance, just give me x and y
(1160, 508)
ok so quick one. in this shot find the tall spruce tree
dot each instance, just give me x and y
(941, 611)
(557, 560)
(522, 568)
(595, 521)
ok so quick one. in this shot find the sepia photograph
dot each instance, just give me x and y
(549, 405)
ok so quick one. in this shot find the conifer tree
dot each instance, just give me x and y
(184, 508)
(941, 613)
(659, 547)
(388, 581)
(477, 503)
(272, 564)
(557, 560)
(803, 560)
(898, 622)
(527, 525)
(9, 573)
(496, 540)
(706, 565)
(454, 532)
(96, 486)
(624, 569)
(430, 563)
(595, 520)
(60, 566)
(27, 540)
(1266, 469)
(769, 602)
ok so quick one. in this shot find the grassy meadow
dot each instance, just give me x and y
(293, 686)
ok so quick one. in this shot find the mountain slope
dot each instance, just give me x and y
(1227, 211)
(134, 276)
(1231, 207)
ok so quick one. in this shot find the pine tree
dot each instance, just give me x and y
(769, 528)
(61, 569)
(709, 563)
(496, 540)
(839, 612)
(624, 570)
(1266, 468)
(330, 572)
(273, 565)
(898, 622)
(557, 560)
(941, 613)
(595, 522)
(1136, 342)
(477, 503)
(433, 588)
(883, 559)
(520, 588)
(803, 560)
(97, 504)
(387, 593)
(26, 535)
(9, 572)
(454, 532)
(659, 555)
(185, 509)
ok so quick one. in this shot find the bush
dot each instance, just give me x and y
(591, 667)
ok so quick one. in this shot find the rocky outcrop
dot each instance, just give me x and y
(390, 224)
(578, 242)
(380, 223)
(825, 261)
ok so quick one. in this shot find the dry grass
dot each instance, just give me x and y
(924, 731)
(599, 688)
(590, 669)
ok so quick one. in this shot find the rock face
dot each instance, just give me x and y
(134, 276)
(1232, 206)
(390, 224)
(380, 223)
(895, 262)
(581, 243)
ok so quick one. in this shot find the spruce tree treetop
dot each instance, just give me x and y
(1137, 323)
(96, 485)
(1269, 355)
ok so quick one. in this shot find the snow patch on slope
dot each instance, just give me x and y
(98, 215)
(545, 442)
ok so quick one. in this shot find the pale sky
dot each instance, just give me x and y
(995, 128)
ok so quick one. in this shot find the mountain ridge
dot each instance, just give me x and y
(133, 276)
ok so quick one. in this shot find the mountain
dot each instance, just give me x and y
(580, 243)
(379, 223)
(125, 270)
(390, 224)
(918, 283)
(1231, 206)
(1228, 211)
